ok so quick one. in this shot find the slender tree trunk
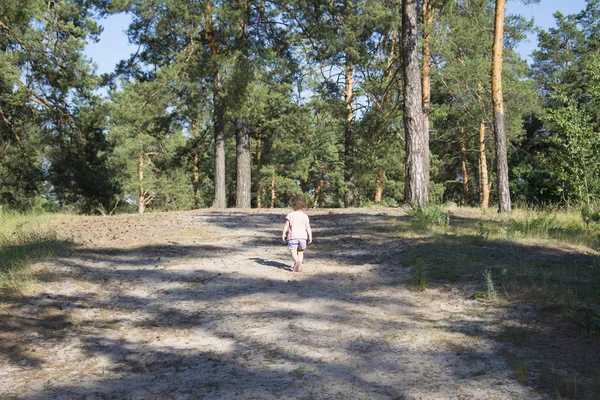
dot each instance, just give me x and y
(427, 15)
(142, 200)
(380, 185)
(243, 196)
(273, 188)
(465, 171)
(416, 189)
(504, 203)
(389, 65)
(196, 177)
(258, 168)
(220, 200)
(243, 178)
(349, 135)
(483, 169)
(318, 192)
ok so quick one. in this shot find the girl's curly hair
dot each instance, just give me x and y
(298, 202)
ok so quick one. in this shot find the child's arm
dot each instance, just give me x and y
(309, 231)
(286, 227)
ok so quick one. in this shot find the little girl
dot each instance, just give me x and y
(297, 231)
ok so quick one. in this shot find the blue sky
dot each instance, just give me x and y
(114, 46)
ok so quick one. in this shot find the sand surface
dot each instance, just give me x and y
(203, 305)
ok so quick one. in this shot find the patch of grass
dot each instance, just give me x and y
(419, 279)
(515, 334)
(564, 385)
(582, 313)
(300, 371)
(48, 386)
(489, 284)
(25, 240)
(423, 218)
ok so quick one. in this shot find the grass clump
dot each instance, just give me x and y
(25, 240)
(419, 276)
(423, 218)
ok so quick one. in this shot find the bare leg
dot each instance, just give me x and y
(299, 261)
(295, 256)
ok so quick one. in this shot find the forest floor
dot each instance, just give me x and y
(203, 304)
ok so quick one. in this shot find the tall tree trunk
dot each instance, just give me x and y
(483, 169)
(196, 176)
(465, 171)
(243, 178)
(416, 190)
(259, 190)
(349, 135)
(427, 15)
(220, 200)
(504, 204)
(389, 65)
(142, 193)
(318, 192)
(243, 196)
(273, 188)
(379, 189)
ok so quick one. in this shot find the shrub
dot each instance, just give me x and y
(425, 217)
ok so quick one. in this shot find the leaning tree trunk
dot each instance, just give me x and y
(243, 179)
(416, 190)
(504, 204)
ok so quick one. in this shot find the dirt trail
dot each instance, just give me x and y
(203, 305)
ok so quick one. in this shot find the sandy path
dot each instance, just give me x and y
(202, 305)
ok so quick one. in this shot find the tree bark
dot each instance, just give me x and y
(465, 171)
(379, 189)
(318, 192)
(259, 190)
(273, 188)
(416, 189)
(427, 15)
(220, 200)
(142, 193)
(483, 169)
(349, 135)
(196, 177)
(243, 177)
(504, 203)
(243, 196)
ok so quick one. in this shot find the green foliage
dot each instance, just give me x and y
(424, 218)
(536, 227)
(589, 214)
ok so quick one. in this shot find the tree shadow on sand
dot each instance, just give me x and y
(208, 331)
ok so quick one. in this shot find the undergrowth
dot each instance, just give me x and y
(25, 240)
(424, 218)
(545, 262)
